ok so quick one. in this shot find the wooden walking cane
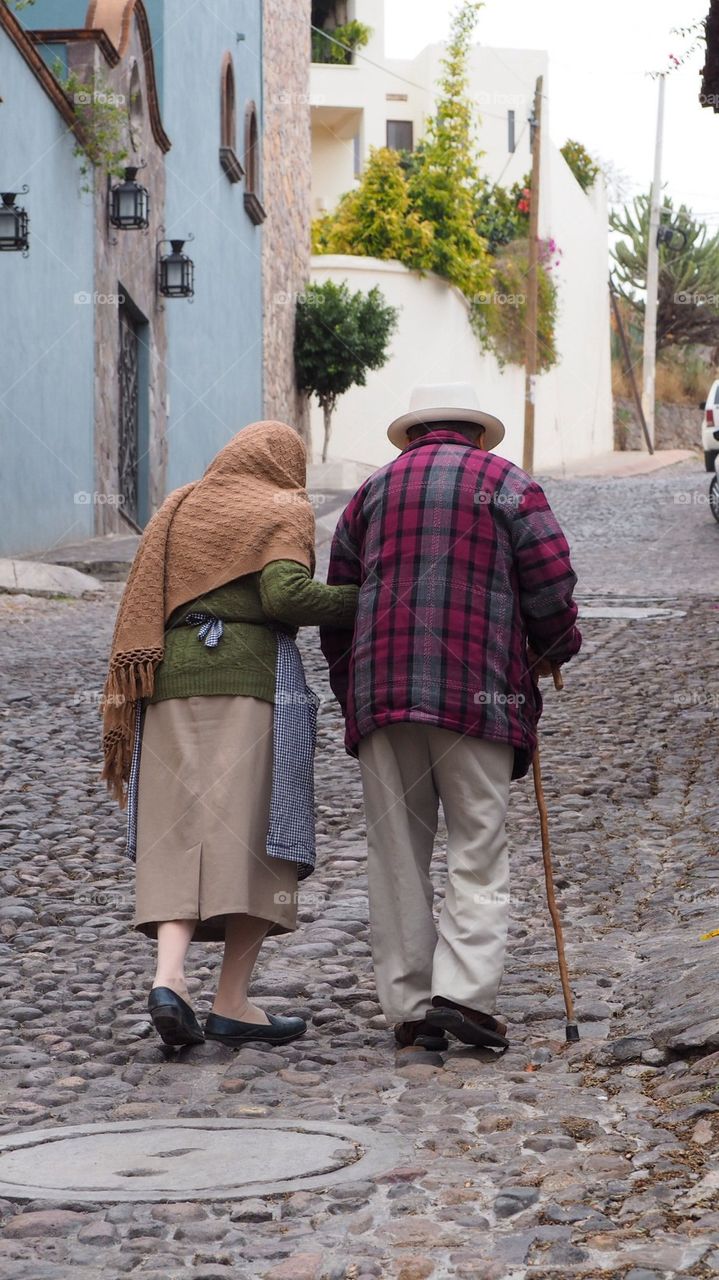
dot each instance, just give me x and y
(572, 1030)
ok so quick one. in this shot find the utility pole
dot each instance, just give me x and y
(649, 360)
(530, 357)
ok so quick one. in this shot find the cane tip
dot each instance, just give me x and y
(572, 1032)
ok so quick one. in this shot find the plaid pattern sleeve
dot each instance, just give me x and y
(459, 561)
(545, 576)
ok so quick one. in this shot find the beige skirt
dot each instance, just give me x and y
(202, 818)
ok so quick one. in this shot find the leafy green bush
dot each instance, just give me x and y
(327, 45)
(584, 168)
(376, 219)
(499, 315)
(502, 215)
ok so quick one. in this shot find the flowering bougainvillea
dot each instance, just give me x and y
(550, 254)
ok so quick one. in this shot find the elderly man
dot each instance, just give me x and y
(465, 598)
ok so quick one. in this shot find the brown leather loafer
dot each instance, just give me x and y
(471, 1026)
(421, 1035)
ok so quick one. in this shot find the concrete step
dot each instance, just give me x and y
(35, 578)
(108, 557)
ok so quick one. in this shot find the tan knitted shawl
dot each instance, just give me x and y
(249, 508)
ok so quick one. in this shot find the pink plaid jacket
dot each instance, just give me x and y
(460, 562)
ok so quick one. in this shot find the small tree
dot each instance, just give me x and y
(444, 180)
(339, 337)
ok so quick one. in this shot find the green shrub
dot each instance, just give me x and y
(584, 168)
(499, 315)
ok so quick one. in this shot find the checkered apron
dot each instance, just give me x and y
(291, 832)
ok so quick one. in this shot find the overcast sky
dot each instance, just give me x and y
(599, 89)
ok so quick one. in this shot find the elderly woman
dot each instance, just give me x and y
(209, 726)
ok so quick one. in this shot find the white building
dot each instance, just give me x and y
(377, 101)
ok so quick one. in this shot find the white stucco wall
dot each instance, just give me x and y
(575, 399)
(332, 156)
(434, 343)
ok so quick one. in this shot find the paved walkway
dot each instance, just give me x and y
(630, 462)
(594, 1160)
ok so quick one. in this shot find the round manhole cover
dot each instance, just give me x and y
(189, 1159)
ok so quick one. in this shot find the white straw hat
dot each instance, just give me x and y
(445, 402)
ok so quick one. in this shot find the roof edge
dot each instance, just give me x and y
(73, 35)
(26, 48)
(123, 11)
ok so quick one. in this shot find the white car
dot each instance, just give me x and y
(710, 426)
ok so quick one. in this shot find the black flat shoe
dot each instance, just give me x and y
(234, 1033)
(174, 1020)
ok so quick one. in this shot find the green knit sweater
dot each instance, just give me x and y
(283, 593)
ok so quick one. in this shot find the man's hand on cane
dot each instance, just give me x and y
(543, 667)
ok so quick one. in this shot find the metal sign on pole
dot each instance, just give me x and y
(530, 359)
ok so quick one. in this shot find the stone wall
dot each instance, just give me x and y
(677, 426)
(286, 184)
(125, 264)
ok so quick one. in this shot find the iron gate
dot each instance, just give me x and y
(129, 426)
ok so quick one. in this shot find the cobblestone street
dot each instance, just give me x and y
(591, 1160)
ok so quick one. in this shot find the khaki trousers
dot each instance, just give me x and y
(406, 770)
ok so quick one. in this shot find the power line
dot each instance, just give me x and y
(394, 74)
(522, 132)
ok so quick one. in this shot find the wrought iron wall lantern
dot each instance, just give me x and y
(130, 203)
(14, 222)
(175, 271)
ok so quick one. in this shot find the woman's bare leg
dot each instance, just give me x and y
(173, 939)
(244, 936)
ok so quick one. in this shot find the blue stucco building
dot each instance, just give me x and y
(215, 344)
(111, 395)
(46, 339)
